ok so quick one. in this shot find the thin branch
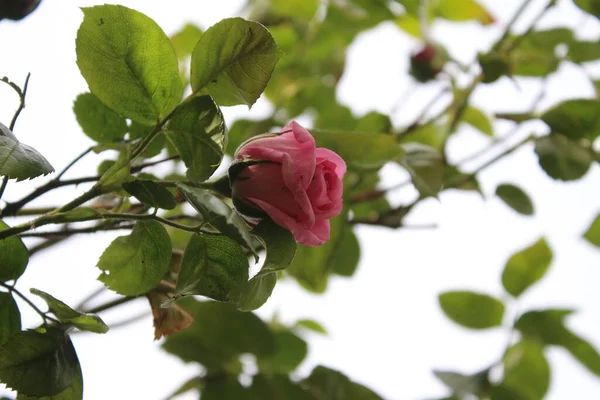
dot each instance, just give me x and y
(3, 185)
(90, 297)
(111, 304)
(79, 157)
(139, 167)
(43, 315)
(511, 23)
(22, 95)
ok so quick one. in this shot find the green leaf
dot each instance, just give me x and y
(581, 51)
(575, 118)
(139, 131)
(38, 364)
(526, 267)
(547, 327)
(185, 40)
(128, 62)
(19, 161)
(515, 198)
(430, 134)
(212, 266)
(73, 392)
(590, 6)
(347, 257)
(478, 120)
(10, 317)
(303, 10)
(134, 264)
(64, 313)
(225, 387)
(281, 248)
(290, 351)
(463, 10)
(118, 172)
(592, 235)
(328, 384)
(526, 373)
(311, 325)
(197, 131)
(360, 150)
(14, 256)
(535, 54)
(216, 212)
(219, 334)
(97, 121)
(463, 385)
(278, 387)
(426, 168)
(233, 61)
(562, 158)
(151, 193)
(472, 310)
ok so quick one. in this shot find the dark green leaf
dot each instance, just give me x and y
(73, 392)
(151, 193)
(462, 384)
(329, 384)
(526, 267)
(216, 212)
(359, 149)
(134, 264)
(592, 235)
(526, 373)
(347, 257)
(185, 40)
(219, 334)
(472, 310)
(547, 327)
(19, 161)
(426, 168)
(290, 351)
(14, 256)
(281, 248)
(97, 121)
(535, 54)
(581, 52)
(575, 118)
(311, 325)
(515, 198)
(562, 158)
(194, 383)
(478, 120)
(212, 266)
(225, 387)
(233, 61)
(590, 6)
(10, 317)
(38, 364)
(197, 131)
(139, 131)
(278, 387)
(128, 62)
(64, 313)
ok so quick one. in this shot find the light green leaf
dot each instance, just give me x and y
(303, 10)
(216, 212)
(430, 134)
(290, 351)
(592, 235)
(311, 325)
(464, 385)
(10, 317)
(134, 264)
(590, 6)
(360, 150)
(281, 248)
(219, 334)
(185, 40)
(409, 24)
(472, 310)
(426, 168)
(212, 266)
(233, 61)
(328, 384)
(347, 257)
(463, 10)
(128, 62)
(575, 118)
(64, 313)
(151, 193)
(119, 172)
(562, 158)
(14, 256)
(38, 364)
(18, 160)
(478, 120)
(526, 267)
(515, 198)
(97, 121)
(581, 51)
(197, 131)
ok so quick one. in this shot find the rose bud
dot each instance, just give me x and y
(426, 64)
(17, 9)
(288, 179)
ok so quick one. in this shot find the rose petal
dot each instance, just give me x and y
(323, 154)
(318, 235)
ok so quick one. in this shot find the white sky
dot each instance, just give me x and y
(386, 329)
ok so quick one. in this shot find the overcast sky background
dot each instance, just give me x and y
(385, 327)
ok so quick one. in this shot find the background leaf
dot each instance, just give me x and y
(290, 351)
(562, 158)
(425, 166)
(575, 118)
(134, 264)
(472, 310)
(526, 267)
(97, 121)
(10, 317)
(14, 256)
(114, 45)
(328, 384)
(515, 198)
(592, 235)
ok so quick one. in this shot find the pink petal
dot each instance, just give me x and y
(318, 235)
(326, 154)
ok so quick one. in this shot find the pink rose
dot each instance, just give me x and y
(299, 186)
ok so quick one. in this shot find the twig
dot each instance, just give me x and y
(45, 317)
(79, 157)
(111, 304)
(3, 185)
(90, 297)
(139, 167)
(22, 95)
